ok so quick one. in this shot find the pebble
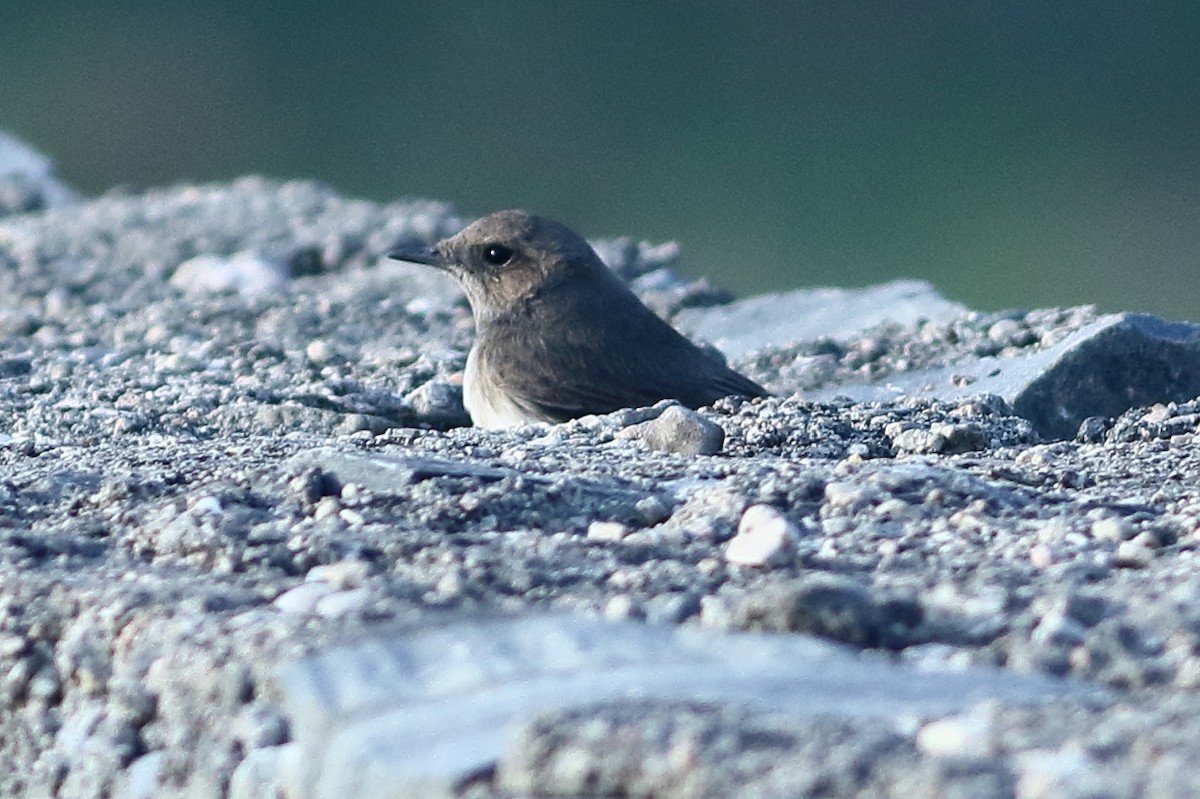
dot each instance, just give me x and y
(351, 517)
(1056, 628)
(621, 606)
(244, 273)
(207, 504)
(940, 438)
(320, 351)
(964, 437)
(652, 510)
(339, 603)
(259, 772)
(1113, 528)
(606, 531)
(1147, 539)
(837, 525)
(968, 735)
(764, 537)
(439, 404)
(1041, 556)
(303, 598)
(671, 608)
(1053, 529)
(1092, 429)
(1133, 555)
(12, 645)
(848, 495)
(679, 430)
(716, 613)
(1043, 774)
(326, 507)
(893, 509)
(451, 583)
(1004, 330)
(142, 776)
(342, 575)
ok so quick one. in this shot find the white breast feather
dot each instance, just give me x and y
(489, 407)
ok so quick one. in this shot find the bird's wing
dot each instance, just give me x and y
(632, 359)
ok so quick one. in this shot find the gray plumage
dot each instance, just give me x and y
(558, 335)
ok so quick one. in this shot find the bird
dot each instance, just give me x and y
(558, 335)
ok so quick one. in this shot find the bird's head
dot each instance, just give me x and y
(506, 257)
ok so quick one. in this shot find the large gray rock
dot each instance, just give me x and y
(1119, 362)
(415, 715)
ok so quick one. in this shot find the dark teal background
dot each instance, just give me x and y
(1015, 154)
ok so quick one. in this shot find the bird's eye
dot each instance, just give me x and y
(497, 254)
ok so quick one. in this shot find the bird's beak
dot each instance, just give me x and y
(419, 254)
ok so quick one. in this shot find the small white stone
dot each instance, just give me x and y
(351, 517)
(419, 306)
(326, 507)
(1133, 555)
(652, 510)
(319, 350)
(968, 735)
(342, 575)
(451, 583)
(847, 494)
(1043, 774)
(12, 645)
(1004, 330)
(893, 509)
(764, 536)
(620, 607)
(244, 273)
(1058, 628)
(264, 770)
(142, 776)
(1147, 539)
(339, 603)
(1113, 528)
(260, 773)
(303, 598)
(715, 613)
(606, 531)
(837, 525)
(1041, 556)
(207, 504)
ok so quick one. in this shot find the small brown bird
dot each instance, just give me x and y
(558, 335)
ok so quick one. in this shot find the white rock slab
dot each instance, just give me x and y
(414, 715)
(775, 320)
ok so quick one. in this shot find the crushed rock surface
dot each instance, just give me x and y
(160, 502)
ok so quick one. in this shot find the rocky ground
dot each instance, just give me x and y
(232, 441)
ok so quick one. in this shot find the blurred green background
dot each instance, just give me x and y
(1021, 154)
